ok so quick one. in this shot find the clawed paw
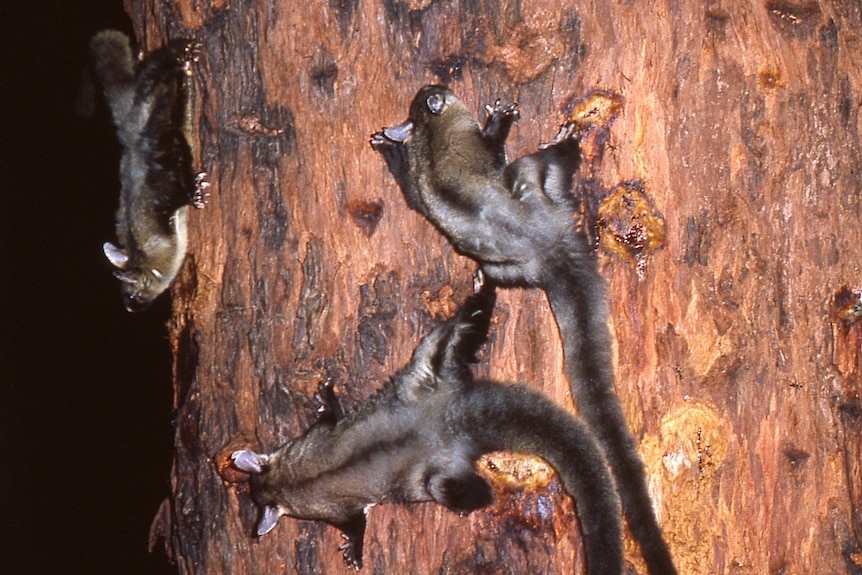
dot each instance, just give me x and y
(200, 197)
(499, 109)
(390, 147)
(191, 54)
(325, 395)
(328, 409)
(379, 140)
(478, 281)
(568, 131)
(499, 122)
(348, 552)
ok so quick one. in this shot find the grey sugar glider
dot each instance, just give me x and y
(149, 103)
(418, 439)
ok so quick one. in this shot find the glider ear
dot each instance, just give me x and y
(268, 519)
(115, 255)
(399, 133)
(248, 461)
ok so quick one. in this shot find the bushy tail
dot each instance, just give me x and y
(514, 418)
(112, 62)
(576, 293)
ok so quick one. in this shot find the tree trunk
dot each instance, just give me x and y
(738, 343)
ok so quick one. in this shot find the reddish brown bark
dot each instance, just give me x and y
(738, 358)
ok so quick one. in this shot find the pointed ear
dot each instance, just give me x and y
(399, 133)
(248, 461)
(268, 519)
(115, 255)
(126, 277)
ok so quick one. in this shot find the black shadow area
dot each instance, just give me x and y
(85, 389)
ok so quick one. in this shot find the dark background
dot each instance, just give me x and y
(85, 387)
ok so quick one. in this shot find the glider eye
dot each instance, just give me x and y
(436, 103)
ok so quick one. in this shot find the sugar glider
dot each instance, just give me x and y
(149, 103)
(418, 439)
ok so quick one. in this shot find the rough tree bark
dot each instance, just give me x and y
(738, 344)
